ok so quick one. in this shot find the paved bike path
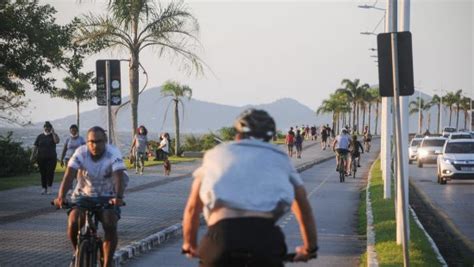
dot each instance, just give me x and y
(33, 234)
(335, 207)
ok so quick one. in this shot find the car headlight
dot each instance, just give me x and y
(449, 161)
(422, 153)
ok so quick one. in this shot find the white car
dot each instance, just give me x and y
(457, 160)
(460, 135)
(429, 150)
(412, 149)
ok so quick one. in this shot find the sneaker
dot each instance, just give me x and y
(358, 165)
(141, 173)
(49, 191)
(44, 191)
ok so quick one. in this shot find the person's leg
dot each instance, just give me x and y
(109, 219)
(141, 162)
(50, 175)
(42, 165)
(75, 221)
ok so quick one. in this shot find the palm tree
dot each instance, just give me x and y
(338, 105)
(133, 25)
(176, 91)
(77, 89)
(419, 106)
(436, 100)
(465, 105)
(457, 102)
(449, 100)
(372, 97)
(353, 90)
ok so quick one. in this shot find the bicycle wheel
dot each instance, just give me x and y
(97, 257)
(83, 256)
(354, 168)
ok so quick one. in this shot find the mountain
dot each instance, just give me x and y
(199, 116)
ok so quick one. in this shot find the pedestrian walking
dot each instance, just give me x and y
(72, 143)
(298, 144)
(164, 149)
(290, 141)
(324, 137)
(139, 149)
(44, 154)
(314, 131)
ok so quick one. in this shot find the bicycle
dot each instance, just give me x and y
(341, 168)
(89, 251)
(353, 166)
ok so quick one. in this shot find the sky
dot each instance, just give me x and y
(262, 51)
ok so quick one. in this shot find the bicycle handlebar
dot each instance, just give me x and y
(289, 257)
(68, 205)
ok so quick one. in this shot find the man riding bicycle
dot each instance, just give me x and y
(101, 179)
(243, 188)
(341, 147)
(355, 151)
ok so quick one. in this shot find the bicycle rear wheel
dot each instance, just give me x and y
(97, 258)
(83, 257)
(354, 168)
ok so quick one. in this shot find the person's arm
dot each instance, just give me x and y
(361, 146)
(55, 136)
(191, 219)
(304, 215)
(63, 154)
(119, 188)
(34, 154)
(66, 184)
(334, 144)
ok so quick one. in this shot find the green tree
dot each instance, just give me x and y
(457, 103)
(373, 97)
(176, 91)
(354, 90)
(419, 105)
(449, 100)
(133, 25)
(338, 105)
(31, 45)
(465, 105)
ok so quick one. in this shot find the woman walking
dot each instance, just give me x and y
(71, 144)
(298, 144)
(164, 147)
(44, 153)
(139, 148)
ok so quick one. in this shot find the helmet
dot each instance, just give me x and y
(256, 123)
(344, 131)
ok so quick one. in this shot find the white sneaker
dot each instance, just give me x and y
(44, 191)
(49, 191)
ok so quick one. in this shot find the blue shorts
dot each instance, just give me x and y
(90, 202)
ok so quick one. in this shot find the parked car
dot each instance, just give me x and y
(459, 135)
(412, 149)
(447, 131)
(456, 161)
(429, 150)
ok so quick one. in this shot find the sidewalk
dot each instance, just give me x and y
(335, 207)
(33, 233)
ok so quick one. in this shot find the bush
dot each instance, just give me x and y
(14, 159)
(198, 143)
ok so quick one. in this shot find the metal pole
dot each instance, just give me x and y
(441, 109)
(405, 128)
(107, 89)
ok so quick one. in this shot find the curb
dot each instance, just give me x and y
(448, 225)
(154, 240)
(371, 252)
(433, 244)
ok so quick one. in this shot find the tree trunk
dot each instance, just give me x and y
(334, 121)
(420, 122)
(376, 117)
(465, 119)
(450, 113)
(370, 111)
(439, 114)
(358, 117)
(457, 117)
(77, 115)
(363, 119)
(134, 83)
(354, 107)
(429, 122)
(176, 127)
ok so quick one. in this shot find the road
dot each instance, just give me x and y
(335, 207)
(453, 200)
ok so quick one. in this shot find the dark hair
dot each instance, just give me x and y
(47, 124)
(255, 123)
(97, 129)
(73, 126)
(145, 131)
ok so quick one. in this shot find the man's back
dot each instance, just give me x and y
(342, 142)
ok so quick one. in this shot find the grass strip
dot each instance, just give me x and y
(388, 252)
(33, 179)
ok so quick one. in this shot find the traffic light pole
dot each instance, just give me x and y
(109, 110)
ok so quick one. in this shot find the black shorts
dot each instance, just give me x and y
(252, 242)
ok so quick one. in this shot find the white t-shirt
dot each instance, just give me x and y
(248, 175)
(94, 178)
(343, 141)
(165, 144)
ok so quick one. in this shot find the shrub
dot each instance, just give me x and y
(14, 159)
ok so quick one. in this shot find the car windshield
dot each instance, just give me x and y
(449, 130)
(460, 148)
(433, 142)
(415, 142)
(461, 136)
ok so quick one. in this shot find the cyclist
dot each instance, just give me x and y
(341, 147)
(367, 138)
(242, 228)
(101, 178)
(355, 147)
